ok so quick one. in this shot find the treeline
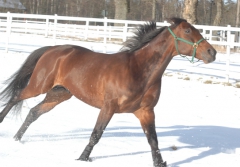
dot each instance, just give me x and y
(138, 9)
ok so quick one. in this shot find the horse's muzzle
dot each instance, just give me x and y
(210, 56)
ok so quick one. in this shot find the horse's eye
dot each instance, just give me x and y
(187, 31)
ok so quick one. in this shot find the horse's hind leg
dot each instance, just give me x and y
(54, 97)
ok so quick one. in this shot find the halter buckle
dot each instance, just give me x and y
(195, 45)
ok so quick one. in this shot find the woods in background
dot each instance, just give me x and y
(205, 12)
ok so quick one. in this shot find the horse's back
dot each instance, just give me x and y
(88, 74)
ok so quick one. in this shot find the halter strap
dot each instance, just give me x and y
(194, 45)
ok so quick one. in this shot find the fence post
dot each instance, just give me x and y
(55, 29)
(26, 25)
(110, 33)
(105, 35)
(125, 29)
(86, 30)
(221, 35)
(211, 35)
(98, 33)
(66, 29)
(228, 52)
(8, 30)
(46, 30)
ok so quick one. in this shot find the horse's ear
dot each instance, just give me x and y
(170, 20)
(176, 21)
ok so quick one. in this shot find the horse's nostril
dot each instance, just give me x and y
(212, 52)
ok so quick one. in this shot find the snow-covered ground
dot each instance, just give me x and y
(201, 120)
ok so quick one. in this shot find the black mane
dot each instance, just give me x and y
(144, 34)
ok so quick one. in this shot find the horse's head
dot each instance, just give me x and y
(189, 41)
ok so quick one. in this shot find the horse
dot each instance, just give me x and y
(128, 81)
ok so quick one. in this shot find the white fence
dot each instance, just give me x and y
(102, 30)
(57, 27)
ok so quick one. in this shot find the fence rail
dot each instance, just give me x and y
(53, 26)
(105, 30)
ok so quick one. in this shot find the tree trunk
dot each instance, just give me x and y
(177, 8)
(154, 9)
(33, 6)
(238, 14)
(52, 4)
(163, 10)
(121, 9)
(218, 16)
(190, 11)
(128, 6)
(237, 21)
(66, 8)
(38, 10)
(204, 12)
(78, 8)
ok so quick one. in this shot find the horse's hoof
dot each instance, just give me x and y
(162, 164)
(16, 138)
(85, 159)
(1, 120)
(90, 159)
(82, 159)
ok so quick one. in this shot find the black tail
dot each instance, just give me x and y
(19, 80)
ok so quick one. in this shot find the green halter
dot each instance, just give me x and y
(195, 45)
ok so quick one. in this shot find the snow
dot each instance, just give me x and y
(201, 120)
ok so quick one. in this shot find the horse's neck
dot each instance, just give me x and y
(150, 61)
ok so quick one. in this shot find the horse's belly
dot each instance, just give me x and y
(90, 98)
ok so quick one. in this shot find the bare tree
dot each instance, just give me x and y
(237, 21)
(78, 8)
(66, 7)
(238, 13)
(218, 16)
(190, 11)
(121, 9)
(163, 9)
(154, 9)
(144, 10)
(204, 11)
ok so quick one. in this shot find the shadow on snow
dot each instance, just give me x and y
(217, 139)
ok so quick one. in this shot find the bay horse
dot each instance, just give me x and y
(125, 82)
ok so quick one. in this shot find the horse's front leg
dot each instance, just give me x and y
(147, 120)
(104, 117)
